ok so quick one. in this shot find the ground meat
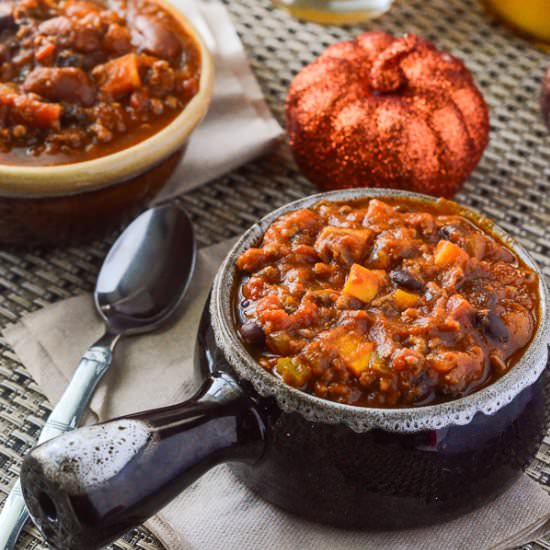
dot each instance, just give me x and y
(385, 303)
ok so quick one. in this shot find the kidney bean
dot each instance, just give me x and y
(252, 333)
(155, 37)
(492, 325)
(56, 26)
(406, 280)
(61, 84)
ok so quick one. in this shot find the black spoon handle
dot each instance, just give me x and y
(86, 488)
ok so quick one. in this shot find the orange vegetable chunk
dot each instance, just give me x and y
(355, 352)
(364, 284)
(404, 299)
(448, 253)
(122, 76)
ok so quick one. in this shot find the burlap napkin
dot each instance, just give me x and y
(238, 126)
(217, 511)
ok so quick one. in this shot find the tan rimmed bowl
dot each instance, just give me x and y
(48, 205)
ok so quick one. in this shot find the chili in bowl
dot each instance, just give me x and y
(385, 302)
(97, 100)
(453, 410)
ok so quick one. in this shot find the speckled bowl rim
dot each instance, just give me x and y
(457, 412)
(44, 181)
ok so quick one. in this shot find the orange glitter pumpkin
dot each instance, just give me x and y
(385, 112)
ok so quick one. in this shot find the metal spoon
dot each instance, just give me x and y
(141, 283)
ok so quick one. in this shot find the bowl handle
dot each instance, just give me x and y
(87, 487)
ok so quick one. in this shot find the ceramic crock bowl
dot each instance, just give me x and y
(347, 466)
(49, 205)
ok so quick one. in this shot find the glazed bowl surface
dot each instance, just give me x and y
(76, 201)
(347, 466)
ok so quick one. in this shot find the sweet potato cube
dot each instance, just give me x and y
(122, 76)
(354, 352)
(404, 299)
(364, 284)
(448, 253)
(293, 372)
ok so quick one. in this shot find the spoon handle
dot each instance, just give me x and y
(65, 416)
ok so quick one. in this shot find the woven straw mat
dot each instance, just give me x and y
(511, 185)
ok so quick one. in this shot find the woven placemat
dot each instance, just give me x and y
(511, 185)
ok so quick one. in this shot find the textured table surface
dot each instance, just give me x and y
(511, 184)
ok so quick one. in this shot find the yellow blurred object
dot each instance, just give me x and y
(355, 352)
(293, 372)
(363, 283)
(404, 299)
(529, 17)
(335, 12)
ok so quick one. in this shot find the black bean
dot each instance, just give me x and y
(406, 280)
(252, 333)
(73, 114)
(492, 325)
(71, 60)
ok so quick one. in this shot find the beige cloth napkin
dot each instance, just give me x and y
(218, 511)
(239, 125)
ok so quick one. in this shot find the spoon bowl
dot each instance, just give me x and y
(142, 279)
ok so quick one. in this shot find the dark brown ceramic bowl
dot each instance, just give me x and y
(353, 467)
(49, 205)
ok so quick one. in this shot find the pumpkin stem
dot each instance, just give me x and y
(386, 74)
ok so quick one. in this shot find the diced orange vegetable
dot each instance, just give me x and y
(364, 284)
(404, 299)
(122, 76)
(355, 352)
(448, 253)
(293, 372)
